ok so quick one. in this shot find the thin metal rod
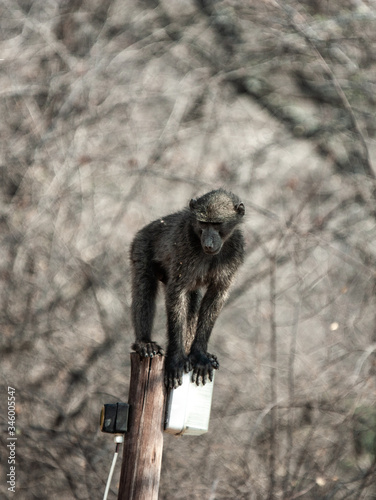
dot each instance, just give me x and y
(111, 472)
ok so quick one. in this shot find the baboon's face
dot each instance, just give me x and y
(213, 234)
(210, 236)
(215, 216)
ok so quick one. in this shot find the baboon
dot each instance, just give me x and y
(200, 247)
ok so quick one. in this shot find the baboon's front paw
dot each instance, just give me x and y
(213, 359)
(203, 365)
(174, 370)
(147, 349)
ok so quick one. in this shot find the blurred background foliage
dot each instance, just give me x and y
(115, 112)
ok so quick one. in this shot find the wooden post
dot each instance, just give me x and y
(143, 443)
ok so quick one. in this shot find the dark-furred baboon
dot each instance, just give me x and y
(200, 247)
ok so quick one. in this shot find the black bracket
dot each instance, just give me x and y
(114, 418)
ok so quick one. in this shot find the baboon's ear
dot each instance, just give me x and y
(193, 203)
(239, 207)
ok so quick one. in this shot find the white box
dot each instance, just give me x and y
(188, 407)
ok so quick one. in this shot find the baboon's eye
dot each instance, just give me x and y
(203, 225)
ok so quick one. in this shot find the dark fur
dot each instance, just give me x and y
(200, 247)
